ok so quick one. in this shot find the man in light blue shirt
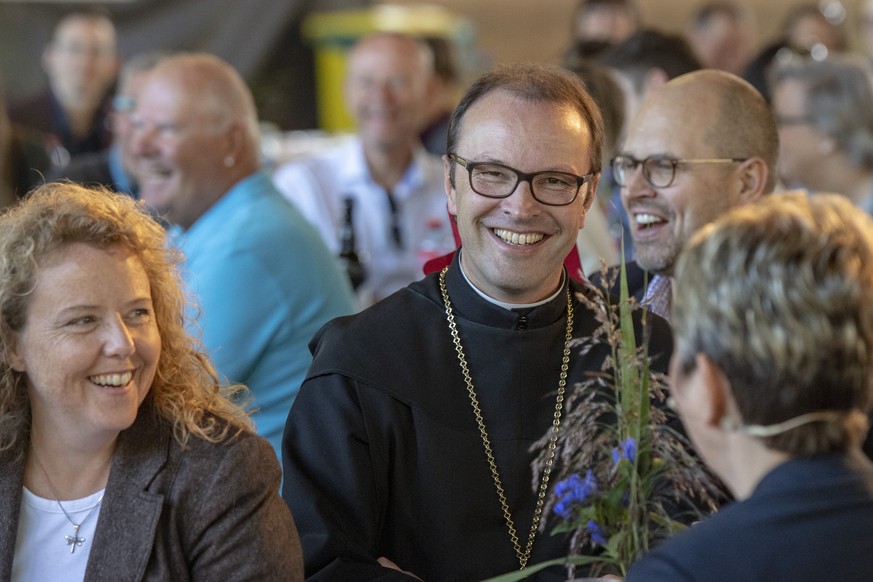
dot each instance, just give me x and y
(260, 274)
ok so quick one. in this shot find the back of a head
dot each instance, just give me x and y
(838, 95)
(740, 120)
(534, 83)
(650, 49)
(777, 294)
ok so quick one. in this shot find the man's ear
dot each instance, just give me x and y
(590, 190)
(751, 178)
(235, 138)
(448, 167)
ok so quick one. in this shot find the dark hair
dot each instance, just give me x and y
(607, 93)
(710, 10)
(649, 49)
(92, 12)
(442, 50)
(534, 83)
(628, 5)
(758, 70)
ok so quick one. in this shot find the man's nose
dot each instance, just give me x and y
(636, 183)
(521, 200)
(140, 138)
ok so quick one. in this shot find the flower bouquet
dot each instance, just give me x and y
(624, 477)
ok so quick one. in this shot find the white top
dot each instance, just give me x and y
(318, 184)
(42, 549)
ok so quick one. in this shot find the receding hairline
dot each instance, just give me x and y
(424, 53)
(742, 123)
(90, 17)
(212, 80)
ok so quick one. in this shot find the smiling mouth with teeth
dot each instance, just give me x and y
(647, 220)
(515, 238)
(112, 380)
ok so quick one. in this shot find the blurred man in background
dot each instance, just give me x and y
(113, 166)
(382, 185)
(81, 64)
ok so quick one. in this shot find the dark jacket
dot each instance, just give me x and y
(637, 280)
(203, 512)
(807, 520)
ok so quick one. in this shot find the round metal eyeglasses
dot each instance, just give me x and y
(658, 171)
(494, 180)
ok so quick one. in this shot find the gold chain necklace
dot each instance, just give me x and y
(523, 554)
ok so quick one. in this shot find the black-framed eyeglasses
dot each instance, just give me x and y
(549, 187)
(658, 170)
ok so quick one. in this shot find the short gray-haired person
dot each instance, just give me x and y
(772, 375)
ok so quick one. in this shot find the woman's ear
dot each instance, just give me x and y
(717, 391)
(13, 355)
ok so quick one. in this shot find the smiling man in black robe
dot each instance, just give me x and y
(407, 451)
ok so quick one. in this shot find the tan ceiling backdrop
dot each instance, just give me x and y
(539, 30)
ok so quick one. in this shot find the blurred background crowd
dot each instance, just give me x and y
(292, 53)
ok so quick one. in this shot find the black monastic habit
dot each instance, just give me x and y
(382, 454)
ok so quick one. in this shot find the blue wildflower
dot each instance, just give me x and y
(573, 490)
(629, 449)
(598, 534)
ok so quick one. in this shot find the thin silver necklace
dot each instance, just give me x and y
(74, 540)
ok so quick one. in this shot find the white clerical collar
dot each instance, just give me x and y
(510, 306)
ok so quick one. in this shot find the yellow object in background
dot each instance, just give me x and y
(332, 35)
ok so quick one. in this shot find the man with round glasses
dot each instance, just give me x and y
(408, 447)
(704, 143)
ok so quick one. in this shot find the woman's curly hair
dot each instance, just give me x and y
(186, 391)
